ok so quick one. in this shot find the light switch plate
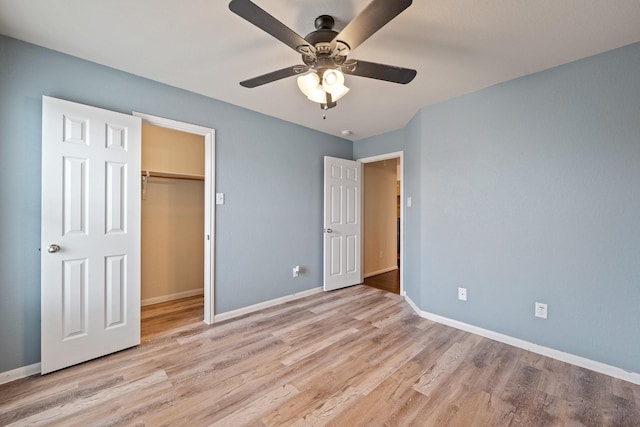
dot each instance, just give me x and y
(219, 198)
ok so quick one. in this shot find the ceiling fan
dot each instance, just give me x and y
(324, 51)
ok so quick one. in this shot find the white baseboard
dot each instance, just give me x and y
(16, 374)
(250, 309)
(384, 270)
(171, 297)
(580, 361)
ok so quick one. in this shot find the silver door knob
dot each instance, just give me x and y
(53, 249)
(328, 230)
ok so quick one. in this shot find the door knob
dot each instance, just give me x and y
(53, 249)
(328, 230)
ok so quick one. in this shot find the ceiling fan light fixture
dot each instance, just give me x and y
(332, 83)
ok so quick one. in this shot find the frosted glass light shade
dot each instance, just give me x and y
(308, 83)
(318, 95)
(339, 92)
(333, 82)
(331, 79)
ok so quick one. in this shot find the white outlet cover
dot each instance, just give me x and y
(462, 294)
(541, 310)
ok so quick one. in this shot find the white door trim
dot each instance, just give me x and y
(389, 156)
(209, 135)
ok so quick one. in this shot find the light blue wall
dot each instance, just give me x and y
(413, 215)
(269, 170)
(385, 143)
(530, 191)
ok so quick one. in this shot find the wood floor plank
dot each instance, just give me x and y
(354, 357)
(260, 406)
(301, 352)
(124, 410)
(443, 368)
(66, 410)
(404, 411)
(306, 319)
(367, 312)
(381, 371)
(330, 408)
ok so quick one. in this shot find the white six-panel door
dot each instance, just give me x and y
(342, 223)
(90, 285)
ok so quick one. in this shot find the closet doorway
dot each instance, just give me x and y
(382, 222)
(177, 259)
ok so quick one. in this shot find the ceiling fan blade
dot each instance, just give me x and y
(263, 20)
(384, 72)
(375, 16)
(274, 75)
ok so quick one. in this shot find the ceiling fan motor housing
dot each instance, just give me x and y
(325, 47)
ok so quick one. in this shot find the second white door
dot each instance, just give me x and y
(342, 223)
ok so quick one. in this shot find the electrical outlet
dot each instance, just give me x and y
(541, 310)
(296, 271)
(462, 294)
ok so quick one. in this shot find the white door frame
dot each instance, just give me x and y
(390, 156)
(209, 196)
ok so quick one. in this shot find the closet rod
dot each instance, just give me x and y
(154, 174)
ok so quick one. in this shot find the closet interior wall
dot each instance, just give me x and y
(172, 261)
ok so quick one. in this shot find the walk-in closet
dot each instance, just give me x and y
(172, 259)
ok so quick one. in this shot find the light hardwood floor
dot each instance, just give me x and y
(355, 357)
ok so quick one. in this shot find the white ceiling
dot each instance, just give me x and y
(457, 47)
